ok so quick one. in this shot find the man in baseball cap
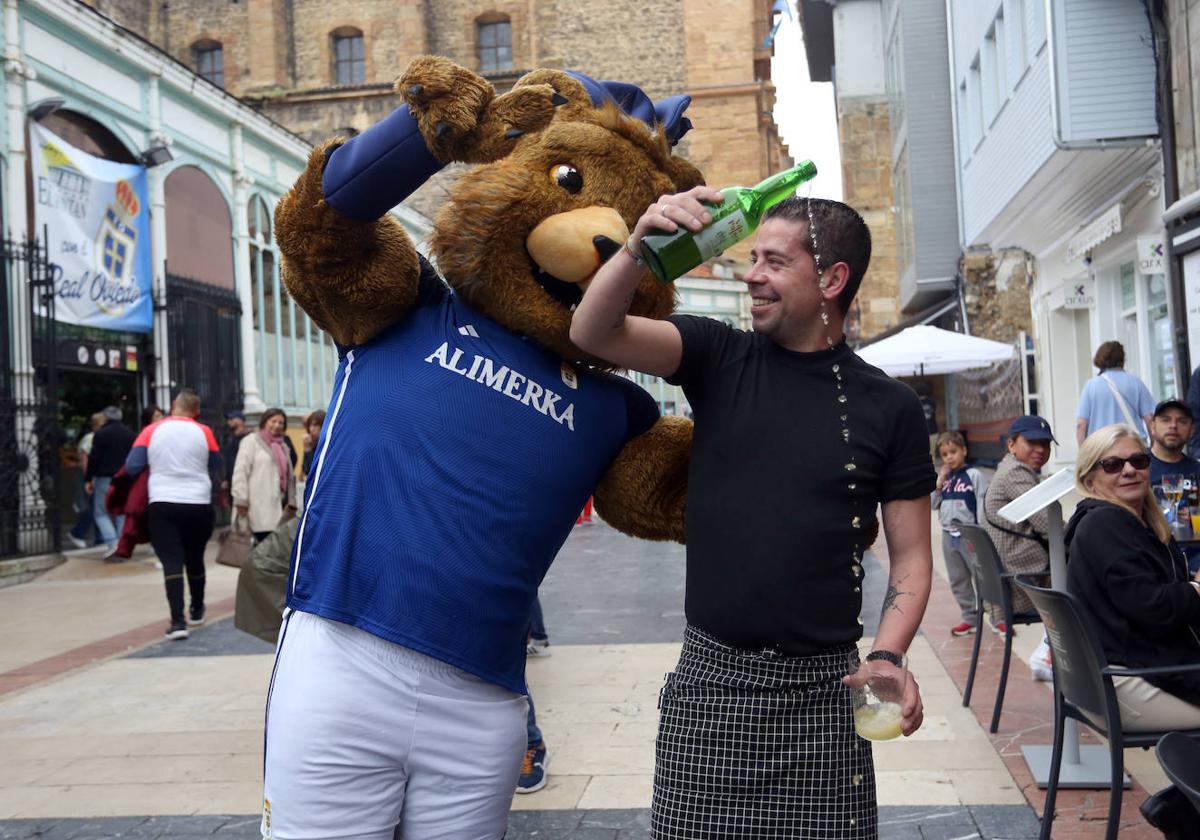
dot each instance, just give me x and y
(1170, 429)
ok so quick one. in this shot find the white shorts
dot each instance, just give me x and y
(372, 741)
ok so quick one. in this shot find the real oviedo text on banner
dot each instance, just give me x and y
(96, 219)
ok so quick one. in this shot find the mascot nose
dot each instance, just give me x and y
(570, 246)
(605, 247)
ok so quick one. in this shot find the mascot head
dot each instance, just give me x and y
(521, 237)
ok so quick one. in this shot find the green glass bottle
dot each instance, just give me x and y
(671, 255)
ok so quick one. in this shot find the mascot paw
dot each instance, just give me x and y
(460, 116)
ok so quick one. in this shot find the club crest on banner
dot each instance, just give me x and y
(93, 213)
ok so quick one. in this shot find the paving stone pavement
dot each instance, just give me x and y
(1003, 822)
(614, 612)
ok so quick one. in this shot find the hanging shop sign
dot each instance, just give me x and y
(98, 355)
(1079, 294)
(97, 223)
(1152, 254)
(1096, 231)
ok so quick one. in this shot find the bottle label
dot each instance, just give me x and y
(721, 234)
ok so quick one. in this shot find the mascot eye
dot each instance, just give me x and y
(567, 177)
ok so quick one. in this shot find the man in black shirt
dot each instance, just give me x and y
(796, 442)
(110, 444)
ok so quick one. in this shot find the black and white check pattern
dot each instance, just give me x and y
(757, 745)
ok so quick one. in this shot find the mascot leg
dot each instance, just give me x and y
(365, 737)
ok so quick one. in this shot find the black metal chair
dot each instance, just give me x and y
(1179, 756)
(992, 584)
(1083, 683)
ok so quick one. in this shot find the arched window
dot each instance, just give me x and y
(349, 56)
(210, 61)
(87, 135)
(199, 228)
(493, 43)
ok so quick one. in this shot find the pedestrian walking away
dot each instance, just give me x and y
(180, 454)
(110, 446)
(756, 735)
(1113, 395)
(85, 520)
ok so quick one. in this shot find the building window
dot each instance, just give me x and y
(210, 62)
(494, 45)
(349, 57)
(295, 359)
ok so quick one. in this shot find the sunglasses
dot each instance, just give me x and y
(1140, 461)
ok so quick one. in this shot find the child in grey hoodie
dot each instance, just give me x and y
(957, 498)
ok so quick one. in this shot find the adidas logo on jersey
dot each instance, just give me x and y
(505, 381)
(468, 330)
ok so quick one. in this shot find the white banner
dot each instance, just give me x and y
(97, 223)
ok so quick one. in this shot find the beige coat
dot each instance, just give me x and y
(256, 484)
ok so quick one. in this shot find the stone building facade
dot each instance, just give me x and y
(278, 55)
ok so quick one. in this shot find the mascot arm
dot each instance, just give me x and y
(644, 491)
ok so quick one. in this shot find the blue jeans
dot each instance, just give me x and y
(531, 727)
(108, 527)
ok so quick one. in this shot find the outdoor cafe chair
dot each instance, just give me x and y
(1179, 756)
(993, 583)
(1083, 690)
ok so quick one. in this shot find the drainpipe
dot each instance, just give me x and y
(16, 212)
(1166, 127)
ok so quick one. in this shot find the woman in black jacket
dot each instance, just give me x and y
(1132, 578)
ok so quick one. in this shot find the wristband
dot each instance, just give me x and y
(886, 656)
(633, 252)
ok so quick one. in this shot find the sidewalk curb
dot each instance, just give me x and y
(18, 570)
(102, 650)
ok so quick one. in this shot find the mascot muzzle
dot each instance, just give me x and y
(571, 246)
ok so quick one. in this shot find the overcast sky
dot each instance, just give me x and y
(805, 112)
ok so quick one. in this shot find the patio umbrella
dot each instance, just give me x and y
(925, 351)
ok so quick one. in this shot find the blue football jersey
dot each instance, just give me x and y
(449, 472)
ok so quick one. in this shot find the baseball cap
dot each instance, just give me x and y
(237, 412)
(1031, 427)
(1174, 403)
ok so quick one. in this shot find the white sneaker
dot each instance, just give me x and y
(75, 541)
(537, 647)
(1042, 674)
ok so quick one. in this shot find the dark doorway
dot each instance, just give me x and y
(82, 393)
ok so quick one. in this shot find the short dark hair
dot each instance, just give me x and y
(951, 437)
(840, 233)
(1110, 354)
(268, 414)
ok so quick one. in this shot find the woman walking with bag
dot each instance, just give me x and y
(264, 483)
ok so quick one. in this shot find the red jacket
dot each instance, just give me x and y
(130, 496)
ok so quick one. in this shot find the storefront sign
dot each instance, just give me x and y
(122, 357)
(97, 221)
(1152, 254)
(1191, 299)
(1099, 229)
(1079, 294)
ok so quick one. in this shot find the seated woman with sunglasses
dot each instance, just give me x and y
(1132, 577)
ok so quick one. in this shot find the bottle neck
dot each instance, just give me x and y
(779, 186)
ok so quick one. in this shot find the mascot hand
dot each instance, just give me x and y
(460, 116)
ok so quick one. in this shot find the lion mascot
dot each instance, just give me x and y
(464, 435)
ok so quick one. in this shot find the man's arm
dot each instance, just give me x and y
(1081, 429)
(906, 528)
(601, 325)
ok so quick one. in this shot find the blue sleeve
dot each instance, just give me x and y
(371, 173)
(1193, 392)
(136, 460)
(1085, 402)
(1145, 400)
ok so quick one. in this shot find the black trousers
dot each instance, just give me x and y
(179, 533)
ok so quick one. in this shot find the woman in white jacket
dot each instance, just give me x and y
(264, 483)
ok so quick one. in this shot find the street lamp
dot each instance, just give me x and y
(156, 155)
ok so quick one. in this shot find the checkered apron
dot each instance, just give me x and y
(754, 745)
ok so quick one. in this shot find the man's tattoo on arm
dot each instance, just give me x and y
(624, 311)
(893, 593)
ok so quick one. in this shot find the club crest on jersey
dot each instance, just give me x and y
(569, 377)
(504, 380)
